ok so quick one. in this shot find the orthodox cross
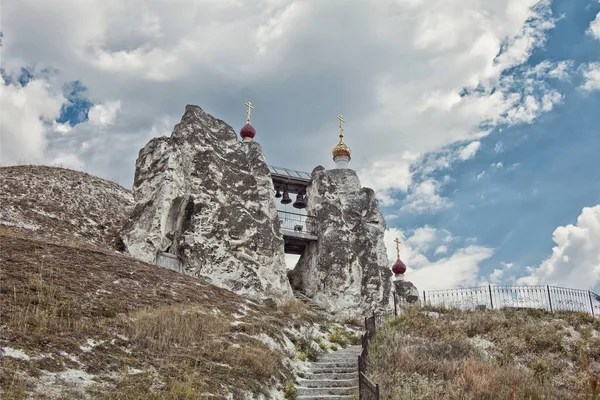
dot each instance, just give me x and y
(249, 105)
(397, 248)
(341, 129)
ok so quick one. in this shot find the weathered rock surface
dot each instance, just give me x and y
(347, 269)
(407, 291)
(207, 197)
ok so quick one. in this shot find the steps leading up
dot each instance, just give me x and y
(334, 376)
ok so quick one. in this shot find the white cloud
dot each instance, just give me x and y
(422, 238)
(594, 28)
(497, 165)
(499, 147)
(27, 115)
(104, 114)
(70, 161)
(480, 175)
(469, 150)
(154, 58)
(425, 198)
(591, 74)
(575, 260)
(558, 70)
(443, 249)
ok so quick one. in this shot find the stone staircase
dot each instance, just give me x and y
(334, 376)
(308, 301)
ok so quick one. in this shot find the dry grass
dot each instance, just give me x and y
(512, 354)
(63, 205)
(174, 330)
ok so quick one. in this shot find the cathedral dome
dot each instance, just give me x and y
(341, 150)
(247, 132)
(399, 268)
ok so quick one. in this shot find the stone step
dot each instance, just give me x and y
(335, 364)
(332, 370)
(325, 397)
(327, 391)
(344, 356)
(327, 383)
(331, 375)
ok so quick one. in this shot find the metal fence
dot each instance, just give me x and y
(550, 298)
(297, 223)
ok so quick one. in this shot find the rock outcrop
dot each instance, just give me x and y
(347, 269)
(407, 291)
(206, 197)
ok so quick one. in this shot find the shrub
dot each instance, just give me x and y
(289, 391)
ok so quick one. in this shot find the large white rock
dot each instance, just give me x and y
(206, 197)
(347, 268)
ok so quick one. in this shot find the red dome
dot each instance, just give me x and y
(398, 268)
(247, 132)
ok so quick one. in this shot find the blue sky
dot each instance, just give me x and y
(478, 126)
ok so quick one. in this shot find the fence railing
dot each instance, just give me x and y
(297, 223)
(550, 298)
(367, 390)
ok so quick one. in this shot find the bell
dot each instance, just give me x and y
(278, 194)
(286, 198)
(300, 202)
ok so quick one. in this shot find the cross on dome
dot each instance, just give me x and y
(341, 128)
(249, 105)
(248, 132)
(397, 248)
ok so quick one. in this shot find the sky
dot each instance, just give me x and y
(476, 122)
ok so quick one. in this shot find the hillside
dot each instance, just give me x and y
(63, 205)
(90, 323)
(500, 354)
(79, 320)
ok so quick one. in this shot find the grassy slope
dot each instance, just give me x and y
(62, 205)
(161, 334)
(510, 354)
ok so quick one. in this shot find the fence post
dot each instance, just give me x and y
(359, 380)
(549, 297)
(374, 324)
(424, 300)
(377, 391)
(491, 300)
(395, 305)
(591, 303)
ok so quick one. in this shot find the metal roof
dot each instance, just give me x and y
(290, 173)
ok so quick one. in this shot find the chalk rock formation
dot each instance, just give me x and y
(347, 269)
(208, 198)
(407, 291)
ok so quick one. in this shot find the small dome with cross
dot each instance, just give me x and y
(248, 132)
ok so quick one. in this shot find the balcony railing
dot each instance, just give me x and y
(297, 223)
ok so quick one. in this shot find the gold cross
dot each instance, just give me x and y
(397, 248)
(341, 129)
(249, 105)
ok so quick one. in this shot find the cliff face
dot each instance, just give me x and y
(346, 270)
(208, 198)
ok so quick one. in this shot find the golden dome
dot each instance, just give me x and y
(341, 150)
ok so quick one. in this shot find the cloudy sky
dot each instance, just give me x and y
(477, 122)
